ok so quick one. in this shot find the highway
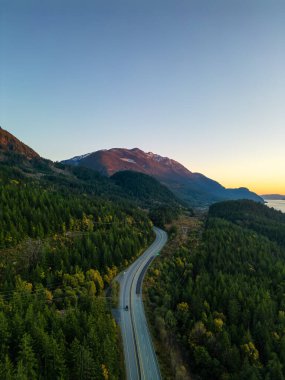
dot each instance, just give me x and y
(140, 358)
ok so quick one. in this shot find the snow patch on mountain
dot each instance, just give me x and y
(79, 158)
(128, 160)
(156, 157)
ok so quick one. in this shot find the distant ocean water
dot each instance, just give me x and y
(277, 204)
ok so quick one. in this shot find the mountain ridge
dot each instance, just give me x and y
(195, 188)
(273, 197)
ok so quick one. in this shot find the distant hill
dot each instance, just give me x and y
(273, 197)
(10, 143)
(194, 188)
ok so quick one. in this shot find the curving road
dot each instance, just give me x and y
(140, 358)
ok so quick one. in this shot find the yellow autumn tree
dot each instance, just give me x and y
(250, 351)
(95, 276)
(111, 273)
(105, 372)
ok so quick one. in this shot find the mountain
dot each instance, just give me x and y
(111, 161)
(18, 162)
(9, 143)
(195, 188)
(273, 197)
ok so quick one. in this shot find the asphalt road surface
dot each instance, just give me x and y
(140, 357)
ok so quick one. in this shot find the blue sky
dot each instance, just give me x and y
(199, 81)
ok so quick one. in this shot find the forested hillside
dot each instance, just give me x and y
(221, 296)
(255, 216)
(162, 203)
(145, 188)
(64, 235)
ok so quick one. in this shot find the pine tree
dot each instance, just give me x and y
(27, 357)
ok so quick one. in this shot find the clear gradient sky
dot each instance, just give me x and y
(200, 81)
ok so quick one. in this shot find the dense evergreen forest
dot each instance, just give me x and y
(145, 188)
(163, 205)
(221, 295)
(64, 235)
